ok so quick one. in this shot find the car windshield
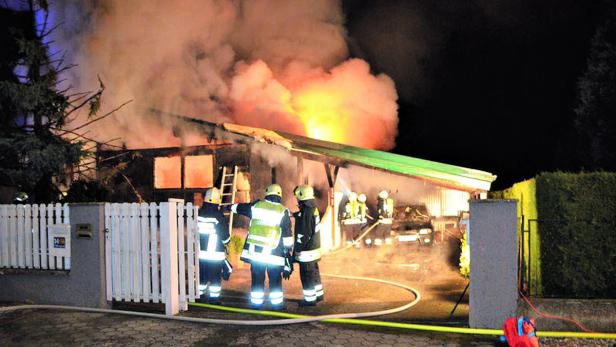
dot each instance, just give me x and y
(411, 214)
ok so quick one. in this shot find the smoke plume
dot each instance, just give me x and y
(282, 65)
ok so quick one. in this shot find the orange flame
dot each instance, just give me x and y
(321, 112)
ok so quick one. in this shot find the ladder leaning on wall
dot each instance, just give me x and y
(228, 188)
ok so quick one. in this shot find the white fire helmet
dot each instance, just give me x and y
(361, 197)
(212, 196)
(383, 194)
(352, 196)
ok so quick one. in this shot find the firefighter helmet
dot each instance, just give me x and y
(212, 196)
(361, 197)
(304, 192)
(383, 194)
(273, 189)
(20, 197)
(352, 196)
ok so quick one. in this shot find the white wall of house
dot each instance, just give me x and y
(439, 200)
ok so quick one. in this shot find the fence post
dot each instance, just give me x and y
(181, 256)
(169, 257)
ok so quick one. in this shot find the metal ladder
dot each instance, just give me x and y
(227, 191)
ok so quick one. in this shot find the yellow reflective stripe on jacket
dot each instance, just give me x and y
(351, 215)
(389, 207)
(265, 230)
(362, 212)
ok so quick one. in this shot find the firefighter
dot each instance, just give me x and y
(268, 244)
(213, 237)
(307, 248)
(362, 214)
(350, 219)
(385, 211)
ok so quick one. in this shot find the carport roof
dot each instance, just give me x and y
(451, 176)
(445, 174)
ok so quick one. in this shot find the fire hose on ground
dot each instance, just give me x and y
(289, 318)
(358, 240)
(346, 318)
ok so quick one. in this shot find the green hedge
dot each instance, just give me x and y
(578, 237)
(573, 248)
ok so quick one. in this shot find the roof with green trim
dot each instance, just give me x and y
(451, 176)
(445, 174)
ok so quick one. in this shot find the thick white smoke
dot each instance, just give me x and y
(271, 63)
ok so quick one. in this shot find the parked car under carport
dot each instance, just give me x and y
(413, 224)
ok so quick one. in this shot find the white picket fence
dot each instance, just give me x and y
(23, 236)
(152, 253)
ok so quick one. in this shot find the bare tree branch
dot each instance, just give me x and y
(66, 68)
(78, 136)
(113, 157)
(106, 143)
(59, 82)
(101, 117)
(43, 33)
(80, 94)
(75, 108)
(85, 138)
(139, 197)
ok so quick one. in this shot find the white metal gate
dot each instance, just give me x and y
(23, 236)
(152, 253)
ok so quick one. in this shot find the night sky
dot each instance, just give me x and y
(487, 84)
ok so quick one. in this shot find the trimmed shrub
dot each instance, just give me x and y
(578, 235)
(573, 247)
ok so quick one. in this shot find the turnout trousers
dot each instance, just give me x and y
(311, 281)
(257, 290)
(351, 232)
(210, 271)
(382, 234)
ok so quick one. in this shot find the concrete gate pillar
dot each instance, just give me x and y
(493, 241)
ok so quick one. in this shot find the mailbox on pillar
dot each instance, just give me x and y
(59, 240)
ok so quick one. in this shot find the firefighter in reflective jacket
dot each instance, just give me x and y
(307, 248)
(362, 214)
(268, 245)
(351, 224)
(385, 210)
(213, 236)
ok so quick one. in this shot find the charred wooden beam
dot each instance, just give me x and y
(319, 157)
(331, 176)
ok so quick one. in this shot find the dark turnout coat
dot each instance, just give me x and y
(307, 245)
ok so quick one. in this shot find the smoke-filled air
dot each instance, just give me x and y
(277, 64)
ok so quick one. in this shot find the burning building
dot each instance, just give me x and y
(244, 160)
